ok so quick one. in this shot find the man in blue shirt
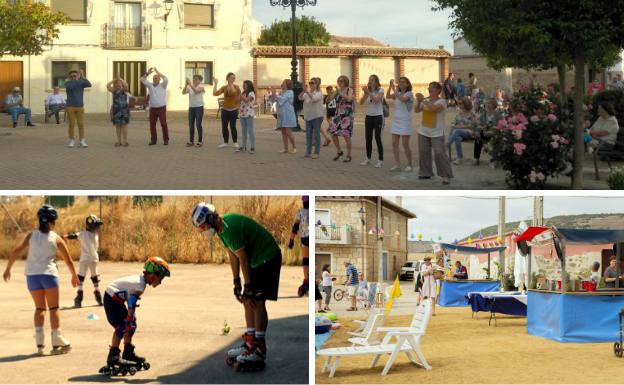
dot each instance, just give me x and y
(352, 284)
(74, 86)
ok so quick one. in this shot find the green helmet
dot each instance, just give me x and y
(158, 266)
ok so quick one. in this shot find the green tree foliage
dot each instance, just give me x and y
(541, 34)
(27, 27)
(309, 33)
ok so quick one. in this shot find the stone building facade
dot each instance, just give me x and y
(346, 230)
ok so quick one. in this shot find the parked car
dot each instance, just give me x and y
(409, 270)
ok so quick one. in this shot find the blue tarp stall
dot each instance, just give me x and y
(574, 317)
(577, 316)
(453, 293)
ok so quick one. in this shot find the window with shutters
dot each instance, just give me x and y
(198, 15)
(203, 68)
(76, 10)
(60, 71)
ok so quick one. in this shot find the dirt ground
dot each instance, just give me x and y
(179, 330)
(465, 351)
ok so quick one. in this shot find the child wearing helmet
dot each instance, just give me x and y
(300, 227)
(128, 290)
(89, 245)
(252, 251)
(41, 273)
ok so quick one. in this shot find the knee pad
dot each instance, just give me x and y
(41, 309)
(95, 279)
(119, 330)
(53, 308)
(81, 278)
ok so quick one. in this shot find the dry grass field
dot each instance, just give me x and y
(131, 232)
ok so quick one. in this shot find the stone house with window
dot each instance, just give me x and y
(110, 37)
(347, 229)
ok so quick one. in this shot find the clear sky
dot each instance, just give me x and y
(401, 23)
(457, 217)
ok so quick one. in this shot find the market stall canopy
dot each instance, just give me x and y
(586, 236)
(472, 250)
(531, 233)
(591, 236)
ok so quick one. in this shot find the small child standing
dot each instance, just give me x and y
(129, 290)
(89, 258)
(301, 227)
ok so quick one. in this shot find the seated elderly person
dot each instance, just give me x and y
(15, 106)
(460, 271)
(605, 129)
(55, 103)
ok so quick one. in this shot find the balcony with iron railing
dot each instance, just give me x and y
(117, 37)
(337, 235)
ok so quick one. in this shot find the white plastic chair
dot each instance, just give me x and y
(407, 341)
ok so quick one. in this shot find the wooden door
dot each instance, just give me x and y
(11, 76)
(131, 72)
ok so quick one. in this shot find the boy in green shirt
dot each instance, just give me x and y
(253, 251)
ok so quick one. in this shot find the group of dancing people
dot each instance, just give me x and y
(340, 104)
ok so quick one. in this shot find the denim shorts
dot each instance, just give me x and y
(41, 282)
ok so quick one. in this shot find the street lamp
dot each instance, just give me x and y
(362, 216)
(293, 4)
(168, 8)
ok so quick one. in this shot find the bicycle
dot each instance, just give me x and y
(339, 293)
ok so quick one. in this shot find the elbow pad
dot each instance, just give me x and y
(295, 228)
(132, 301)
(72, 235)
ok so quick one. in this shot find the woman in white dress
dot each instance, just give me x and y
(429, 286)
(401, 121)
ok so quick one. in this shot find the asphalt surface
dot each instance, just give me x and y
(179, 330)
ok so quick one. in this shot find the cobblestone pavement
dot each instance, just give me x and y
(37, 158)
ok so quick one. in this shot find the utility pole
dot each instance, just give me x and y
(538, 211)
(501, 234)
(379, 242)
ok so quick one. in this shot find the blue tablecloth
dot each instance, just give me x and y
(503, 304)
(508, 305)
(478, 303)
(453, 293)
(574, 318)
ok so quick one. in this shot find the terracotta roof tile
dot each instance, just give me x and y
(284, 51)
(355, 41)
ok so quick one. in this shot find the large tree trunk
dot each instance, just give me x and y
(579, 117)
(561, 71)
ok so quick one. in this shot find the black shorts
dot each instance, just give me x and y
(317, 293)
(331, 112)
(116, 312)
(306, 261)
(266, 277)
(305, 241)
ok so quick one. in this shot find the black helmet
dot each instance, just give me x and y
(93, 222)
(47, 214)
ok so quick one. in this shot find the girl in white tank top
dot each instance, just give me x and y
(42, 276)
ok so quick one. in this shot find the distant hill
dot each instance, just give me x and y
(583, 221)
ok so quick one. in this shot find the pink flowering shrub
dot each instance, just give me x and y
(532, 142)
